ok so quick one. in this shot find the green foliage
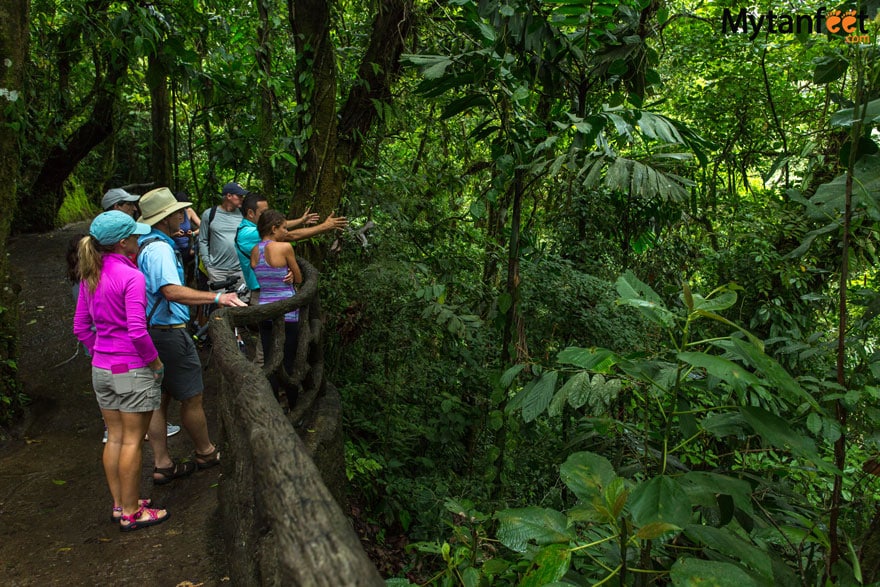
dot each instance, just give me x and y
(666, 486)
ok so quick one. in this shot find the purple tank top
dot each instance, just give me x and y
(272, 286)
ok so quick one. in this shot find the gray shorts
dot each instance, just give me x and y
(183, 369)
(132, 391)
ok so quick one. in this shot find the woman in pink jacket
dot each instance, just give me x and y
(126, 370)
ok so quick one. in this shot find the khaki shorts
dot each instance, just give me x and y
(135, 390)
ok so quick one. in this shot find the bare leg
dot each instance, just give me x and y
(258, 347)
(194, 421)
(134, 425)
(158, 437)
(112, 449)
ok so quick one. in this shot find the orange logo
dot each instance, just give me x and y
(835, 22)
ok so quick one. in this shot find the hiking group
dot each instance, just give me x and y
(133, 308)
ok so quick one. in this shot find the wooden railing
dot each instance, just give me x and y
(284, 474)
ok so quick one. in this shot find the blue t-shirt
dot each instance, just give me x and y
(246, 239)
(162, 266)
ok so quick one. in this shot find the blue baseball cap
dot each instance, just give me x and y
(113, 226)
(234, 189)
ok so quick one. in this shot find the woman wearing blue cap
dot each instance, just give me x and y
(126, 369)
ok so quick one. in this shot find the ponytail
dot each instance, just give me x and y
(91, 260)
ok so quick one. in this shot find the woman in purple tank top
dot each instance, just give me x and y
(277, 271)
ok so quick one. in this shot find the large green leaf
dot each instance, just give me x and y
(829, 200)
(660, 499)
(575, 392)
(844, 118)
(636, 293)
(724, 541)
(523, 525)
(778, 377)
(702, 488)
(643, 181)
(538, 397)
(433, 66)
(596, 359)
(658, 127)
(692, 572)
(724, 424)
(587, 475)
(722, 301)
(733, 373)
(509, 375)
(549, 565)
(778, 433)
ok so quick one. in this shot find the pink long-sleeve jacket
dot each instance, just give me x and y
(117, 310)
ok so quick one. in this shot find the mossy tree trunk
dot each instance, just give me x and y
(13, 55)
(338, 133)
(267, 98)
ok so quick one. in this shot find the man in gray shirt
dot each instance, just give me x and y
(217, 234)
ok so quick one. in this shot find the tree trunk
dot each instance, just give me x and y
(379, 69)
(161, 155)
(46, 194)
(337, 138)
(317, 178)
(13, 56)
(267, 98)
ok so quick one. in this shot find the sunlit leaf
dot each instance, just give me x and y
(548, 566)
(586, 474)
(540, 525)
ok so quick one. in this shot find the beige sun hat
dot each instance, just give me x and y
(157, 204)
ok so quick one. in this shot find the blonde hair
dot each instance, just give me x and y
(91, 260)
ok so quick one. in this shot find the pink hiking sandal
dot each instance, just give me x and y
(134, 521)
(117, 509)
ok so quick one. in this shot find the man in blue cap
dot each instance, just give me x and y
(217, 234)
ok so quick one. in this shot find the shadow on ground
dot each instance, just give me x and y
(54, 502)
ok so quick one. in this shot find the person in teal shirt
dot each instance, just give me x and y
(247, 237)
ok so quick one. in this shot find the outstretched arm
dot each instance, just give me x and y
(330, 224)
(308, 218)
(192, 297)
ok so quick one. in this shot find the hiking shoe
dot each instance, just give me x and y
(172, 429)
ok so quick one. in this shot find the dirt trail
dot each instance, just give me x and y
(54, 502)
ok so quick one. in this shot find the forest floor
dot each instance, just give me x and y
(54, 502)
